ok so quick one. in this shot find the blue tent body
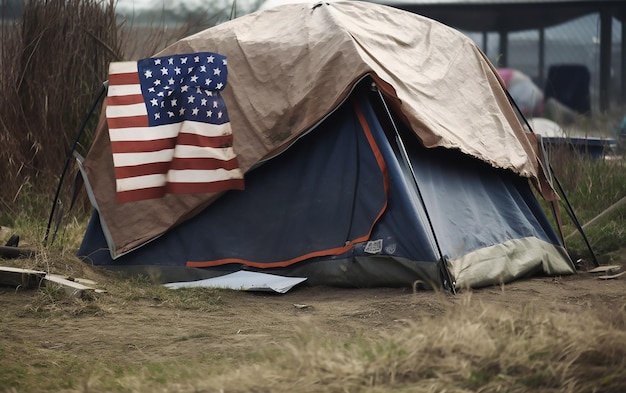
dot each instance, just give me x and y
(359, 202)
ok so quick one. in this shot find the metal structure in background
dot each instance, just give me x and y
(506, 17)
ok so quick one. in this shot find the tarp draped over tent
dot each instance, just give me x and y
(333, 209)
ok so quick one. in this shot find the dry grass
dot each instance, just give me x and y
(54, 59)
(147, 37)
(473, 348)
(468, 346)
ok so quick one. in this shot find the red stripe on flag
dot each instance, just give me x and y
(179, 188)
(203, 164)
(138, 195)
(204, 141)
(125, 100)
(127, 78)
(158, 168)
(137, 146)
(143, 146)
(126, 122)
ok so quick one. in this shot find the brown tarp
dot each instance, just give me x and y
(289, 66)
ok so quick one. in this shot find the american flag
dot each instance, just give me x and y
(169, 127)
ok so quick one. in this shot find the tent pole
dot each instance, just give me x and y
(103, 90)
(448, 283)
(570, 210)
(579, 227)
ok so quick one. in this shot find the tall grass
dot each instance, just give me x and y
(54, 59)
(145, 36)
(591, 185)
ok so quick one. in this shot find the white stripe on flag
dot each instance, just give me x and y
(139, 182)
(122, 67)
(221, 153)
(144, 133)
(205, 129)
(114, 111)
(124, 90)
(132, 159)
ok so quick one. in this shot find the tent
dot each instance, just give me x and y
(374, 153)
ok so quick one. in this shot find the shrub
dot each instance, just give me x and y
(54, 59)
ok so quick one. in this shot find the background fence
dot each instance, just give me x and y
(573, 42)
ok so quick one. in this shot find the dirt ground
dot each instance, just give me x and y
(140, 329)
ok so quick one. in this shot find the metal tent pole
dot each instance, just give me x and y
(103, 90)
(448, 283)
(570, 210)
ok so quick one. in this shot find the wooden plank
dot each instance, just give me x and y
(84, 281)
(71, 287)
(599, 216)
(20, 278)
(612, 276)
(604, 269)
(27, 279)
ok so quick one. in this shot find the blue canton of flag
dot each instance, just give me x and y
(184, 87)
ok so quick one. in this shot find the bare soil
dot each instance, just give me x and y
(132, 329)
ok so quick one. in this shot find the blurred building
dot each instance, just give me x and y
(534, 35)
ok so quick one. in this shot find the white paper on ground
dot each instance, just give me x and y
(243, 281)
